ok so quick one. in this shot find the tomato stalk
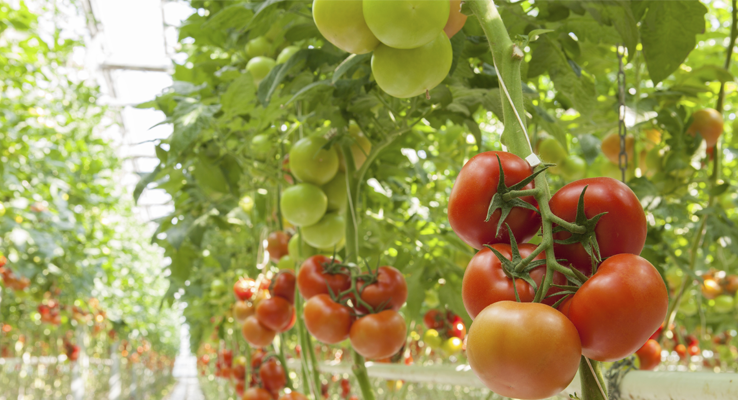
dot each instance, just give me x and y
(282, 360)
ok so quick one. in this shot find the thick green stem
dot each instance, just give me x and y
(520, 193)
(282, 360)
(593, 383)
(304, 360)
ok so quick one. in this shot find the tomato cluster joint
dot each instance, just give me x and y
(508, 198)
(518, 267)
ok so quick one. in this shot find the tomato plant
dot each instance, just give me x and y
(313, 279)
(387, 290)
(328, 321)
(380, 335)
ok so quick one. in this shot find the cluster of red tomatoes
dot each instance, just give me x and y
(445, 331)
(410, 39)
(10, 279)
(265, 307)
(50, 312)
(342, 304)
(606, 318)
(71, 350)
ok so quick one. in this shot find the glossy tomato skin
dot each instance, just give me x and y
(272, 375)
(621, 230)
(312, 280)
(456, 19)
(284, 286)
(255, 393)
(539, 362)
(343, 24)
(434, 319)
(256, 334)
(405, 24)
(303, 204)
(379, 335)
(473, 191)
(242, 310)
(244, 288)
(311, 162)
(390, 288)
(649, 355)
(709, 124)
(326, 320)
(619, 307)
(277, 243)
(275, 313)
(485, 281)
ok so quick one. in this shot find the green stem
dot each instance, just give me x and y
(570, 226)
(362, 376)
(313, 360)
(306, 367)
(527, 260)
(282, 360)
(513, 194)
(593, 384)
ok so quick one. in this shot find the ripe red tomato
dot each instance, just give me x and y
(681, 350)
(709, 124)
(649, 355)
(255, 393)
(327, 320)
(565, 305)
(434, 319)
(240, 387)
(239, 372)
(472, 192)
(378, 335)
(539, 363)
(621, 230)
(227, 357)
(244, 288)
(255, 333)
(293, 396)
(277, 245)
(456, 328)
(390, 289)
(312, 280)
(284, 286)
(693, 350)
(485, 281)
(275, 313)
(272, 375)
(345, 388)
(619, 307)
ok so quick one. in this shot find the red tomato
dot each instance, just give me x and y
(227, 357)
(255, 333)
(378, 335)
(243, 310)
(693, 350)
(621, 230)
(277, 245)
(293, 396)
(389, 289)
(244, 288)
(434, 319)
(312, 280)
(472, 192)
(239, 372)
(523, 350)
(619, 307)
(681, 350)
(565, 305)
(345, 388)
(485, 281)
(275, 313)
(327, 320)
(257, 394)
(240, 387)
(456, 328)
(284, 285)
(272, 375)
(257, 358)
(649, 355)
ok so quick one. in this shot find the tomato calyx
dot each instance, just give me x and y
(582, 231)
(508, 198)
(518, 267)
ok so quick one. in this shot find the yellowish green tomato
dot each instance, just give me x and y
(674, 277)
(311, 163)
(259, 67)
(337, 247)
(327, 232)
(286, 53)
(336, 192)
(300, 252)
(432, 339)
(261, 143)
(452, 346)
(246, 203)
(258, 47)
(286, 262)
(406, 24)
(342, 23)
(551, 150)
(688, 306)
(573, 167)
(303, 204)
(409, 73)
(431, 298)
(724, 304)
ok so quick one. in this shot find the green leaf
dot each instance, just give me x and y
(302, 32)
(590, 147)
(145, 180)
(235, 16)
(619, 14)
(668, 34)
(239, 96)
(306, 89)
(350, 62)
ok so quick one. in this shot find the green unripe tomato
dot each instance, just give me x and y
(431, 298)
(432, 339)
(286, 262)
(327, 232)
(688, 306)
(674, 277)
(258, 47)
(342, 23)
(311, 163)
(408, 73)
(300, 252)
(259, 67)
(573, 167)
(406, 24)
(217, 286)
(336, 192)
(337, 247)
(286, 54)
(303, 204)
(261, 143)
(551, 150)
(246, 203)
(724, 304)
(452, 346)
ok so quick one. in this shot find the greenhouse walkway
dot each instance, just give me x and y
(187, 388)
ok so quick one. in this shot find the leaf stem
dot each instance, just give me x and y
(570, 226)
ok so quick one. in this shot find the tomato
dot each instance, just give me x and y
(239, 372)
(456, 327)
(649, 355)
(378, 335)
(277, 245)
(709, 124)
(611, 147)
(337, 247)
(432, 339)
(255, 393)
(293, 396)
(327, 320)
(242, 310)
(311, 163)
(431, 297)
(284, 286)
(286, 54)
(565, 305)
(711, 288)
(272, 375)
(389, 289)
(303, 204)
(472, 192)
(539, 363)
(335, 190)
(434, 319)
(573, 167)
(693, 350)
(327, 232)
(621, 230)
(656, 334)
(485, 281)
(688, 306)
(260, 67)
(275, 313)
(550, 150)
(456, 19)
(312, 279)
(255, 333)
(244, 288)
(674, 277)
(300, 252)
(452, 346)
(681, 350)
(730, 284)
(261, 143)
(619, 307)
(240, 386)
(342, 23)
(286, 263)
(409, 73)
(246, 203)
(258, 47)
(724, 304)
(406, 24)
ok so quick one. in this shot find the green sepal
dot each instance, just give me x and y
(588, 239)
